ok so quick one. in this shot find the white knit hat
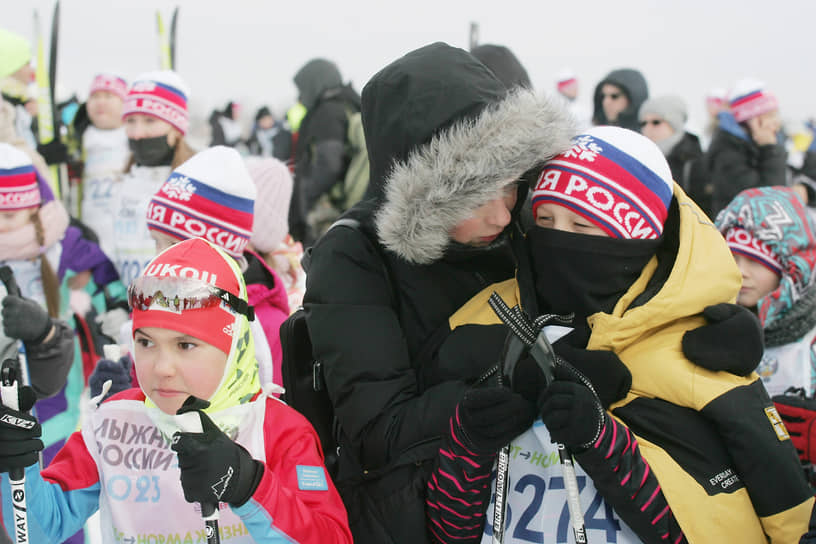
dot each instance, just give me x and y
(749, 98)
(163, 95)
(211, 196)
(274, 184)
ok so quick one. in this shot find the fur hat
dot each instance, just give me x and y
(161, 94)
(670, 108)
(274, 185)
(615, 178)
(210, 196)
(749, 98)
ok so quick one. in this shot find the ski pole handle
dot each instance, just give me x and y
(190, 422)
(10, 394)
(571, 484)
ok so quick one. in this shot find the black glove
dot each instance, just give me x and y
(488, 418)
(571, 412)
(605, 371)
(54, 152)
(25, 319)
(731, 341)
(118, 372)
(19, 433)
(213, 467)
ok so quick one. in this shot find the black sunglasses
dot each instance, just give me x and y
(653, 122)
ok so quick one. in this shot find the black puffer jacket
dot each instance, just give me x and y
(736, 163)
(634, 85)
(320, 154)
(443, 139)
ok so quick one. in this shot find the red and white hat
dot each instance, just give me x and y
(111, 83)
(615, 178)
(565, 79)
(742, 242)
(749, 98)
(19, 188)
(210, 196)
(191, 262)
(161, 94)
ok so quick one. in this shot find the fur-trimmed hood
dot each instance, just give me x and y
(464, 139)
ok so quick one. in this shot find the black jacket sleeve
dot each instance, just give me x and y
(369, 375)
(737, 166)
(50, 362)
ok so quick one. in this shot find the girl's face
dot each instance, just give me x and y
(105, 110)
(171, 366)
(139, 125)
(488, 221)
(757, 281)
(554, 216)
(15, 219)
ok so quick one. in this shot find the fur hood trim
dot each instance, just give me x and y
(465, 166)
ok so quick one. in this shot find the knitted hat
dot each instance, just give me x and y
(19, 188)
(716, 96)
(111, 83)
(565, 79)
(197, 261)
(749, 98)
(274, 185)
(743, 242)
(15, 52)
(160, 94)
(210, 196)
(671, 108)
(615, 178)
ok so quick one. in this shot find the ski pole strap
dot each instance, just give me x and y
(520, 323)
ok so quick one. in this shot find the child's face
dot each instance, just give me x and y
(488, 221)
(163, 241)
(14, 219)
(171, 366)
(139, 125)
(757, 281)
(554, 216)
(105, 110)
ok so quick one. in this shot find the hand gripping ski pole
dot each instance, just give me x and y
(7, 277)
(9, 392)
(190, 422)
(531, 334)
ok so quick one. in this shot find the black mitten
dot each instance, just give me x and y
(19, 433)
(488, 418)
(25, 319)
(571, 412)
(608, 375)
(54, 152)
(731, 341)
(118, 372)
(213, 467)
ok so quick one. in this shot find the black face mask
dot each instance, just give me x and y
(152, 151)
(582, 273)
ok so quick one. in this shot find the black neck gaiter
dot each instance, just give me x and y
(584, 274)
(152, 151)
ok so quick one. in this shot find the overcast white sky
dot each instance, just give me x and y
(248, 50)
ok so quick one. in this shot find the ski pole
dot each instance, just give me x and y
(533, 335)
(513, 348)
(9, 392)
(7, 277)
(190, 422)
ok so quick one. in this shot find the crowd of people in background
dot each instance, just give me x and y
(678, 266)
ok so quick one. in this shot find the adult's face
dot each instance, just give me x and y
(613, 101)
(655, 127)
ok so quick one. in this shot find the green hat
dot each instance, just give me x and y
(15, 52)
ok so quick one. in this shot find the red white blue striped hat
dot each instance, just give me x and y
(209, 196)
(19, 188)
(615, 178)
(161, 94)
(749, 98)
